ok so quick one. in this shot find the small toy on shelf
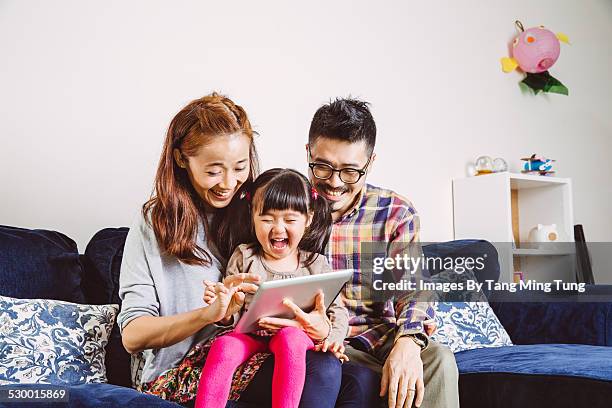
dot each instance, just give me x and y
(538, 165)
(541, 236)
(499, 165)
(486, 165)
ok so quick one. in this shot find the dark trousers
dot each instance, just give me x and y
(360, 387)
(323, 377)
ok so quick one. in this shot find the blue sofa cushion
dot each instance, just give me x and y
(53, 342)
(102, 261)
(98, 395)
(102, 266)
(468, 325)
(544, 375)
(39, 264)
(556, 322)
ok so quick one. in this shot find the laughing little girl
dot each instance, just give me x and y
(286, 224)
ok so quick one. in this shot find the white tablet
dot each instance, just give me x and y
(268, 300)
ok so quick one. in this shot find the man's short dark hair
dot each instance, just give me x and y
(344, 119)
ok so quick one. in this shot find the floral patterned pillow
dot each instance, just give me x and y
(53, 342)
(468, 325)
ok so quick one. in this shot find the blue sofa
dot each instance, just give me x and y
(562, 355)
(40, 264)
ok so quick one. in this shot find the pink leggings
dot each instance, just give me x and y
(289, 346)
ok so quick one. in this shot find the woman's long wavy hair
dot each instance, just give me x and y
(175, 209)
(275, 189)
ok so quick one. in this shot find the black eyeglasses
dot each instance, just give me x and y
(348, 175)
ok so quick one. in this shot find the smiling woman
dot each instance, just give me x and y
(208, 153)
(218, 168)
(173, 247)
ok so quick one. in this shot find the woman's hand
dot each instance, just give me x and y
(316, 324)
(239, 285)
(209, 292)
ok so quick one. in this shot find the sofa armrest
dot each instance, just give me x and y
(566, 321)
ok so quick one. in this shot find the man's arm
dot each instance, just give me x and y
(411, 315)
(402, 378)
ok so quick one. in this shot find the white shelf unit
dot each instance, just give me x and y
(503, 207)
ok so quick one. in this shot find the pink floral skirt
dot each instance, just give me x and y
(180, 384)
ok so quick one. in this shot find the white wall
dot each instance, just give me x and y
(88, 88)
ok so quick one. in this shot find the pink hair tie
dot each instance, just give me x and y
(314, 193)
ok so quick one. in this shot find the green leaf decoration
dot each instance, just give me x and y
(544, 82)
(555, 86)
(525, 88)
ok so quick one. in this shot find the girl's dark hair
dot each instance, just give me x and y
(278, 189)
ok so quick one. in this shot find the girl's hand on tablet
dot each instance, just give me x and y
(316, 324)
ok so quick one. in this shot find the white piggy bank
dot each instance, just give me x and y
(544, 234)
